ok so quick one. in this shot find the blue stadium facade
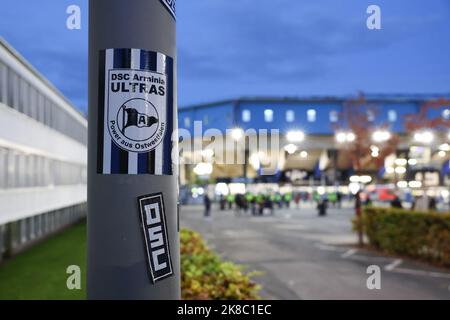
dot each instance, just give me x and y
(320, 118)
(315, 116)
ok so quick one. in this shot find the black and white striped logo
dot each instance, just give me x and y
(136, 112)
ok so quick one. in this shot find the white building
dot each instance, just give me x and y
(43, 155)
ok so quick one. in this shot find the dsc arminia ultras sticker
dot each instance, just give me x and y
(154, 227)
(136, 112)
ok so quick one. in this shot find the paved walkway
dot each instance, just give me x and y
(304, 256)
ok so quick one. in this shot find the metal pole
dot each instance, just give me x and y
(133, 241)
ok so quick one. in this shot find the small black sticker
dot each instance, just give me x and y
(153, 219)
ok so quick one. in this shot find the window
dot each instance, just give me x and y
(12, 86)
(41, 107)
(392, 115)
(11, 169)
(370, 115)
(311, 115)
(33, 103)
(290, 116)
(446, 114)
(3, 83)
(334, 116)
(268, 115)
(246, 115)
(22, 95)
(3, 168)
(187, 122)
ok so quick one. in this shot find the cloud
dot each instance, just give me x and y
(283, 47)
(296, 43)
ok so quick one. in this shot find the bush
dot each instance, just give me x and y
(205, 276)
(424, 235)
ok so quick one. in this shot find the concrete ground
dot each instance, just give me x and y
(303, 256)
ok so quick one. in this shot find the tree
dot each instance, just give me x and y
(414, 122)
(358, 117)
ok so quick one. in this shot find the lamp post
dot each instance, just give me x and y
(133, 242)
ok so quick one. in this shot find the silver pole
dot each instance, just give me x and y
(133, 241)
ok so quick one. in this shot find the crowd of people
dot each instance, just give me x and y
(259, 203)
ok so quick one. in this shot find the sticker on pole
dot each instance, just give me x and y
(154, 226)
(136, 112)
(171, 6)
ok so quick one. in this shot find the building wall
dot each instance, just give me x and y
(314, 117)
(43, 155)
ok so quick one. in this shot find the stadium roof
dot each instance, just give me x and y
(386, 98)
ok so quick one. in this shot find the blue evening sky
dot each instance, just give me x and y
(260, 47)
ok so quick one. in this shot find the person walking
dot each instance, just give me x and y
(207, 203)
(298, 197)
(230, 200)
(396, 203)
(432, 205)
(358, 208)
(339, 199)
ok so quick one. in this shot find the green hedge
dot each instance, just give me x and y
(205, 276)
(424, 235)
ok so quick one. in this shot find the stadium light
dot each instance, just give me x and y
(401, 162)
(402, 184)
(237, 134)
(425, 137)
(295, 136)
(342, 137)
(203, 169)
(350, 137)
(400, 170)
(381, 136)
(290, 148)
(390, 170)
(415, 184)
(365, 179)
